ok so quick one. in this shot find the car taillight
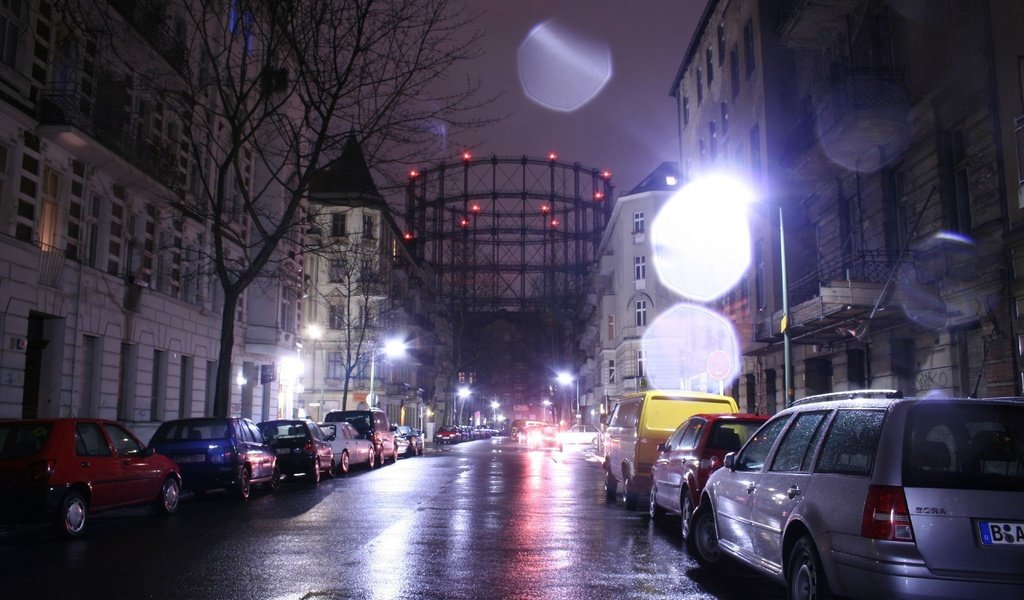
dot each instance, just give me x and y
(224, 457)
(308, 448)
(886, 516)
(40, 471)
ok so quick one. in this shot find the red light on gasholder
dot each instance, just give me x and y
(552, 156)
(464, 222)
(554, 222)
(408, 235)
(475, 208)
(414, 174)
(606, 174)
(598, 195)
(467, 156)
(544, 208)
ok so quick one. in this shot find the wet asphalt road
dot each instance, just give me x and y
(482, 519)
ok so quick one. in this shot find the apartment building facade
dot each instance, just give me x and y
(880, 133)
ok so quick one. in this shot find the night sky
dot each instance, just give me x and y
(628, 125)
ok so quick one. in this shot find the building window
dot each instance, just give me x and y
(338, 224)
(368, 227)
(960, 210)
(700, 87)
(335, 316)
(50, 214)
(755, 150)
(640, 268)
(734, 71)
(611, 370)
(611, 327)
(709, 65)
(721, 43)
(334, 370)
(724, 112)
(748, 47)
(336, 270)
(686, 110)
(713, 137)
(640, 363)
(10, 31)
(641, 313)
(760, 281)
(638, 222)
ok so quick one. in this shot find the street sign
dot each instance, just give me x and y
(719, 365)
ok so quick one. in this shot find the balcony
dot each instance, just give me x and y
(811, 23)
(830, 304)
(862, 113)
(101, 135)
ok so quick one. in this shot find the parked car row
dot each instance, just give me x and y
(855, 494)
(453, 434)
(64, 470)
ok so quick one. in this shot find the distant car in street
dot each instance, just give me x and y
(875, 497)
(300, 447)
(542, 436)
(349, 447)
(586, 435)
(685, 461)
(410, 441)
(372, 424)
(218, 453)
(449, 434)
(64, 470)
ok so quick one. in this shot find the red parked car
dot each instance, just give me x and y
(63, 470)
(695, 450)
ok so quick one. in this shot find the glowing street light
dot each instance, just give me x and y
(393, 348)
(565, 378)
(494, 410)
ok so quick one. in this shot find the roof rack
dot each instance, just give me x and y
(849, 395)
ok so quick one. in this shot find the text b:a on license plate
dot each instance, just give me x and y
(1001, 532)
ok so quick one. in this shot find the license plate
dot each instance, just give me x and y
(1001, 533)
(190, 458)
(284, 450)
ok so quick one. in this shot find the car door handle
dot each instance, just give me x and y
(751, 488)
(794, 491)
(85, 464)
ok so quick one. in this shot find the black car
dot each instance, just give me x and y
(301, 448)
(410, 441)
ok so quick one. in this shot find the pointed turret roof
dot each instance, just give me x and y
(347, 178)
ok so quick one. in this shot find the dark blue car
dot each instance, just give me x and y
(218, 453)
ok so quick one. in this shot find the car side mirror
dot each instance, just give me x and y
(394, 428)
(730, 461)
(661, 447)
(148, 451)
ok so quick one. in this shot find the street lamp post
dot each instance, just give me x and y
(494, 411)
(315, 332)
(784, 322)
(547, 405)
(463, 393)
(392, 349)
(563, 379)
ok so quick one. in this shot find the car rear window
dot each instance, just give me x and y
(18, 440)
(731, 435)
(965, 445)
(197, 430)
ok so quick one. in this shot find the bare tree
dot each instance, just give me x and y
(257, 97)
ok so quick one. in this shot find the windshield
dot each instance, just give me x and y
(22, 439)
(192, 430)
(965, 445)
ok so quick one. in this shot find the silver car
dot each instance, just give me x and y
(881, 498)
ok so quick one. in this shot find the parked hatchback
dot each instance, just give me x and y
(685, 461)
(348, 446)
(301, 448)
(878, 498)
(218, 453)
(64, 470)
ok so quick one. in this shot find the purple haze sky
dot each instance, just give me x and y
(630, 125)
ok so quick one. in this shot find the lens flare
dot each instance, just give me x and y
(701, 238)
(560, 70)
(690, 347)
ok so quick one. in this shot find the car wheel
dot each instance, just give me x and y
(394, 455)
(344, 466)
(275, 479)
(331, 470)
(379, 459)
(245, 484)
(371, 460)
(609, 487)
(74, 512)
(170, 494)
(684, 515)
(655, 510)
(805, 578)
(314, 472)
(629, 495)
(702, 543)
